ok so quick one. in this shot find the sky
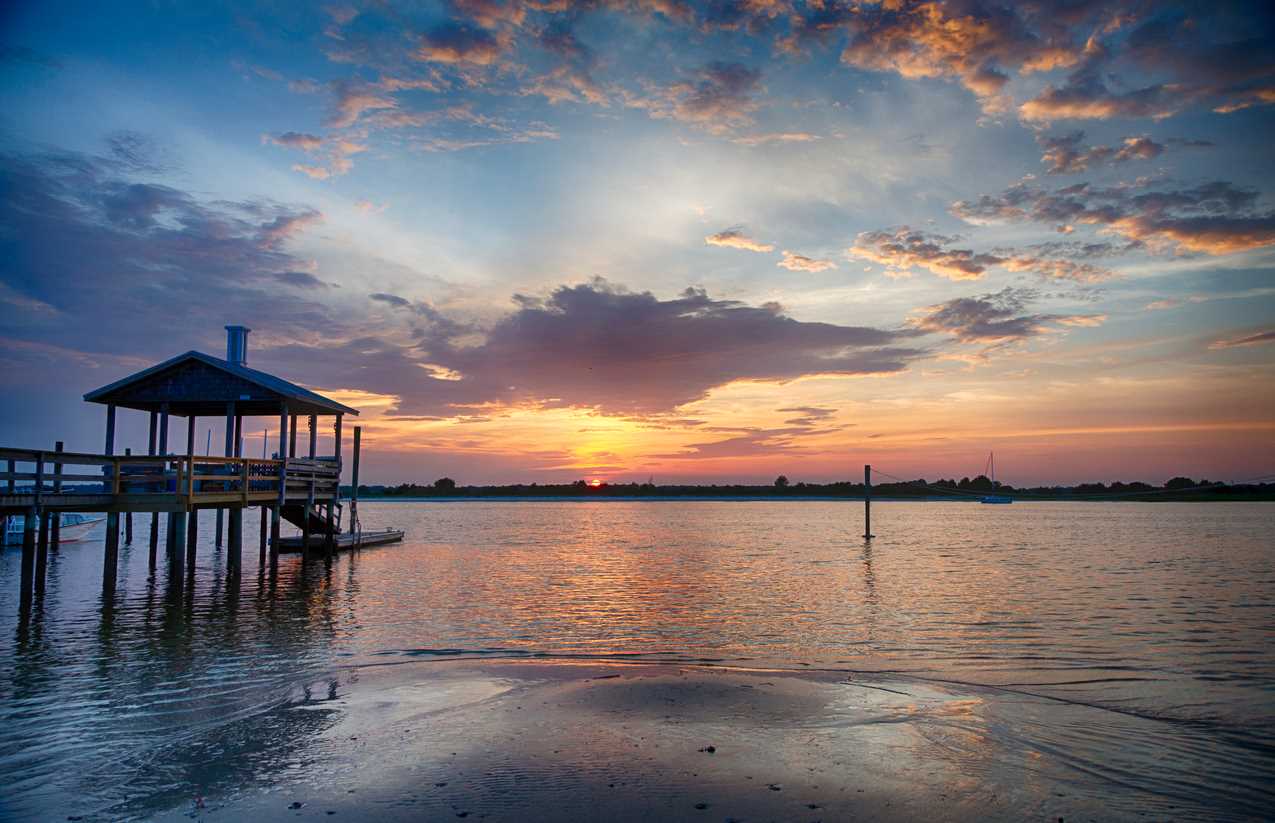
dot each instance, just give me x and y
(541, 241)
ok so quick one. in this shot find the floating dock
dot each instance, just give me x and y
(344, 542)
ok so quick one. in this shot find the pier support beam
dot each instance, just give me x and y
(265, 537)
(55, 526)
(128, 516)
(177, 556)
(110, 557)
(867, 502)
(283, 481)
(192, 539)
(354, 480)
(27, 569)
(150, 450)
(42, 550)
(234, 541)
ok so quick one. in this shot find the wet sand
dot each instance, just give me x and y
(519, 741)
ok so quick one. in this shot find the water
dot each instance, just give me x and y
(1160, 612)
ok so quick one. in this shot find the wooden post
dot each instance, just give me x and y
(177, 558)
(27, 568)
(292, 438)
(110, 428)
(110, 558)
(314, 435)
(234, 542)
(192, 538)
(39, 479)
(336, 490)
(128, 516)
(55, 531)
(283, 483)
(305, 520)
(42, 551)
(13, 466)
(867, 502)
(354, 480)
(163, 429)
(265, 534)
(150, 451)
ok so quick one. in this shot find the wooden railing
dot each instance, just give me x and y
(190, 479)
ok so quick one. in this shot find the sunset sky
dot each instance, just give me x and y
(542, 241)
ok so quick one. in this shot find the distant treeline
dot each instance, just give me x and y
(969, 489)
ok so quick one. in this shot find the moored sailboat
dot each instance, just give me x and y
(991, 473)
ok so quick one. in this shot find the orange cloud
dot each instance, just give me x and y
(799, 262)
(735, 238)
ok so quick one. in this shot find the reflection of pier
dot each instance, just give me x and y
(305, 490)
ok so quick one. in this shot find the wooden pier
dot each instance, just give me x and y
(38, 485)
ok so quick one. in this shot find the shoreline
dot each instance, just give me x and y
(558, 740)
(708, 498)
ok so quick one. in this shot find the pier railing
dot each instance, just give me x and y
(49, 478)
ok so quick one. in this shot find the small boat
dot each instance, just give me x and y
(72, 526)
(991, 473)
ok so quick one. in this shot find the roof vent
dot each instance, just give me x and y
(237, 345)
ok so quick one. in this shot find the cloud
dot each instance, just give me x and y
(1209, 58)
(391, 299)
(1068, 154)
(1161, 305)
(1212, 218)
(1088, 98)
(119, 259)
(453, 43)
(351, 100)
(735, 238)
(775, 137)
(1256, 339)
(998, 319)
(336, 152)
(301, 279)
(491, 13)
(603, 347)
(974, 42)
(799, 262)
(294, 140)
(718, 98)
(904, 248)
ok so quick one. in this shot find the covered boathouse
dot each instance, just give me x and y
(304, 490)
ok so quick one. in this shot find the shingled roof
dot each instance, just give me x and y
(201, 385)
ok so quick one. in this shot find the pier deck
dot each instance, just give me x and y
(70, 481)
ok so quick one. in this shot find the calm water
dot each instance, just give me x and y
(1159, 611)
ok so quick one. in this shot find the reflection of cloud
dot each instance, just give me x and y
(735, 238)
